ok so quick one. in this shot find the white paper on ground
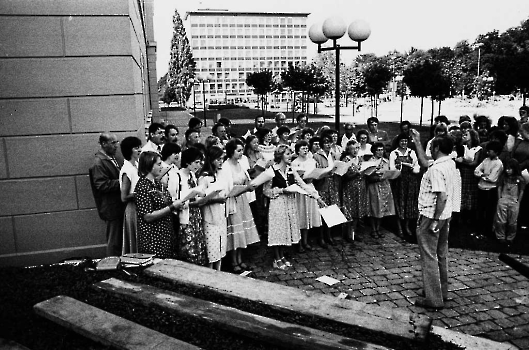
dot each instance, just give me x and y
(332, 215)
(327, 280)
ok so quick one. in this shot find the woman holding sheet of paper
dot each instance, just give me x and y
(308, 213)
(191, 239)
(283, 217)
(329, 185)
(354, 195)
(241, 226)
(380, 197)
(214, 209)
(154, 208)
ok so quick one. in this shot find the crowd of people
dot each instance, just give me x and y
(195, 199)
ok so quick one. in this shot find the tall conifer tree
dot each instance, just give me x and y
(182, 64)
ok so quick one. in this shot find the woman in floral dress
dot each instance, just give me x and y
(191, 238)
(354, 190)
(154, 206)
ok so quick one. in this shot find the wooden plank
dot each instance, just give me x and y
(104, 327)
(233, 320)
(387, 320)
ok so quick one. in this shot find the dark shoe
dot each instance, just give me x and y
(236, 268)
(322, 244)
(421, 302)
(308, 247)
(330, 241)
(301, 249)
(245, 267)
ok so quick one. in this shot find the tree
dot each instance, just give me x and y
(376, 77)
(309, 79)
(419, 76)
(181, 64)
(262, 83)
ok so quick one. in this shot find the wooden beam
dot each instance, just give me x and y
(245, 324)
(386, 320)
(104, 327)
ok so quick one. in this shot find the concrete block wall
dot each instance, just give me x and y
(70, 69)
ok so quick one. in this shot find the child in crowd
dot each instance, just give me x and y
(510, 192)
(488, 172)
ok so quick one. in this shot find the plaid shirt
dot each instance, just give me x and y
(440, 177)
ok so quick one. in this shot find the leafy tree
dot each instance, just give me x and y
(376, 77)
(419, 76)
(310, 79)
(182, 64)
(262, 83)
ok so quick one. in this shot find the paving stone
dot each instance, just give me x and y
(522, 343)
(500, 336)
(496, 314)
(517, 332)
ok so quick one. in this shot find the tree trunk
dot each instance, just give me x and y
(422, 103)
(439, 109)
(431, 117)
(401, 106)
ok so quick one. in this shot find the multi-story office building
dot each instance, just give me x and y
(229, 45)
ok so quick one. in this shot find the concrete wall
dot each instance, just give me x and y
(70, 69)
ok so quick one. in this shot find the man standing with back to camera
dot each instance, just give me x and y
(437, 198)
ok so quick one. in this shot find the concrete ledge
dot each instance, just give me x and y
(470, 342)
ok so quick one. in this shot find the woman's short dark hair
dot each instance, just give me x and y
(306, 131)
(231, 146)
(362, 132)
(261, 133)
(190, 155)
(128, 144)
(402, 136)
(278, 153)
(375, 146)
(495, 146)
(313, 140)
(299, 144)
(147, 161)
(282, 129)
(170, 149)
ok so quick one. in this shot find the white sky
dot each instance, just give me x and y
(395, 24)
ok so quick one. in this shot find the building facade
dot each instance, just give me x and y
(70, 70)
(228, 45)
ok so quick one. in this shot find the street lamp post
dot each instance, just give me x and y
(334, 28)
(192, 82)
(204, 80)
(479, 45)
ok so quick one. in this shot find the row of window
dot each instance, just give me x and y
(256, 54)
(239, 42)
(241, 19)
(248, 64)
(247, 31)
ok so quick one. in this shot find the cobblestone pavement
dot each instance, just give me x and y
(487, 298)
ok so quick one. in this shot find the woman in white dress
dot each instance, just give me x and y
(128, 177)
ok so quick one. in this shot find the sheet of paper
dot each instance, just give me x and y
(525, 175)
(263, 177)
(236, 190)
(327, 280)
(390, 174)
(261, 162)
(248, 133)
(340, 168)
(212, 194)
(295, 188)
(192, 193)
(368, 167)
(317, 173)
(332, 215)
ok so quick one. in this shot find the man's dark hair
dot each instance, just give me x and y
(524, 108)
(194, 123)
(215, 127)
(445, 144)
(169, 149)
(442, 119)
(301, 115)
(153, 128)
(224, 121)
(189, 132)
(168, 129)
(405, 122)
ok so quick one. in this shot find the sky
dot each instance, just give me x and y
(395, 24)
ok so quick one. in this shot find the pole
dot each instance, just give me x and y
(337, 89)
(194, 101)
(204, 99)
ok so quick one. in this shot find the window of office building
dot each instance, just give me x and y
(219, 86)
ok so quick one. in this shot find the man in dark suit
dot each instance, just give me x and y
(104, 178)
